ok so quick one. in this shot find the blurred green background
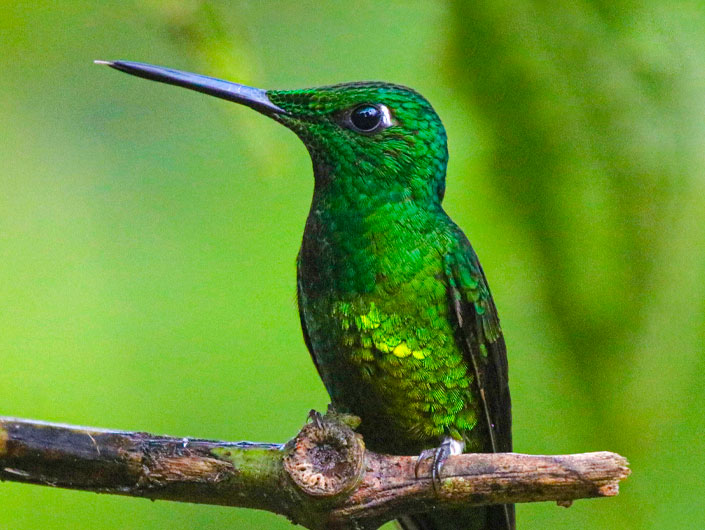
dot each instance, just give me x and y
(148, 234)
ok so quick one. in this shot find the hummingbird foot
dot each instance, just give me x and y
(316, 418)
(439, 455)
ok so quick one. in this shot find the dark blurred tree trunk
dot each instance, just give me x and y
(596, 131)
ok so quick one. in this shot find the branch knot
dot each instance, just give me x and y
(327, 457)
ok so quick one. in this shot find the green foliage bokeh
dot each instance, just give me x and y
(148, 234)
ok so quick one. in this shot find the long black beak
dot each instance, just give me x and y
(255, 98)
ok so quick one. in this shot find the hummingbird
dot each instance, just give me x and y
(394, 305)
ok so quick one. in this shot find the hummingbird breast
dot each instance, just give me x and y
(373, 297)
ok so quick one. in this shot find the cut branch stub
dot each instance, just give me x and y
(326, 458)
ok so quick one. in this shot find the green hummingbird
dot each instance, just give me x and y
(395, 308)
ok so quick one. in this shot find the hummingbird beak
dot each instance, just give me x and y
(254, 98)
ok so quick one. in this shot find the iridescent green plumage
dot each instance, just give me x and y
(394, 305)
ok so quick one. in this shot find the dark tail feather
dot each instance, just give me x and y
(500, 517)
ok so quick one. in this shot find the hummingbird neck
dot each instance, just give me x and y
(352, 190)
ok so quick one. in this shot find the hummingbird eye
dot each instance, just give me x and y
(368, 118)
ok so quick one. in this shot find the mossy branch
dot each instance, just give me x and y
(323, 478)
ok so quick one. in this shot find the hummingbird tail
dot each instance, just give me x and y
(500, 517)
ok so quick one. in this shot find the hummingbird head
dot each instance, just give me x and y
(372, 140)
(377, 137)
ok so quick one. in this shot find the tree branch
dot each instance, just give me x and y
(324, 478)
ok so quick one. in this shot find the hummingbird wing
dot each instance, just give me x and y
(483, 344)
(482, 340)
